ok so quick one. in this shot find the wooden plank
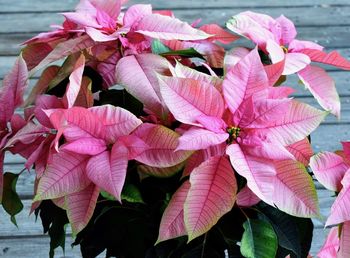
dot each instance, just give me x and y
(57, 6)
(326, 16)
(329, 37)
(37, 247)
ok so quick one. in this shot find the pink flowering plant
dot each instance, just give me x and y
(153, 137)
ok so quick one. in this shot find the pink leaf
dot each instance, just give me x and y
(258, 172)
(75, 79)
(138, 75)
(198, 138)
(296, 124)
(134, 144)
(331, 246)
(108, 170)
(233, 56)
(40, 87)
(187, 99)
(81, 206)
(246, 198)
(329, 169)
(2, 157)
(85, 97)
(117, 121)
(11, 93)
(34, 53)
(322, 87)
(340, 211)
(294, 191)
(168, 28)
(89, 146)
(64, 175)
(28, 134)
(42, 103)
(212, 194)
(183, 71)
(135, 13)
(295, 62)
(64, 49)
(246, 78)
(288, 31)
(78, 122)
(302, 151)
(299, 45)
(100, 36)
(162, 143)
(344, 248)
(332, 58)
(219, 33)
(110, 7)
(172, 224)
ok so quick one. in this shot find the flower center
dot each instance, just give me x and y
(285, 50)
(233, 133)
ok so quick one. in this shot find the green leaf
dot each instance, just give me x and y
(10, 199)
(107, 196)
(158, 47)
(284, 226)
(131, 194)
(259, 239)
(189, 53)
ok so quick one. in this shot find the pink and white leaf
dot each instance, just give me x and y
(44, 102)
(246, 198)
(198, 138)
(40, 87)
(172, 224)
(322, 87)
(64, 49)
(11, 93)
(75, 80)
(301, 150)
(294, 191)
(138, 75)
(135, 13)
(65, 174)
(80, 207)
(288, 31)
(295, 62)
(344, 247)
(110, 7)
(188, 99)
(329, 169)
(332, 58)
(183, 71)
(89, 146)
(108, 170)
(233, 56)
(340, 210)
(258, 172)
(162, 143)
(168, 28)
(116, 120)
(296, 124)
(219, 34)
(245, 79)
(299, 45)
(212, 194)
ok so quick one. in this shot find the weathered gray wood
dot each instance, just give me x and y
(37, 247)
(60, 6)
(330, 37)
(319, 237)
(326, 16)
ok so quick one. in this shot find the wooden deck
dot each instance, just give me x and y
(327, 22)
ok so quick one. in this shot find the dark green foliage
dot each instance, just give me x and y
(11, 202)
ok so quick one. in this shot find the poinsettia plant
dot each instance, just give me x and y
(153, 137)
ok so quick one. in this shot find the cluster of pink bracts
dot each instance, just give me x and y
(237, 122)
